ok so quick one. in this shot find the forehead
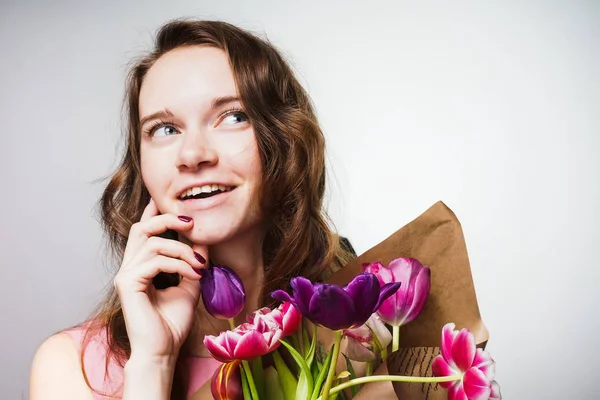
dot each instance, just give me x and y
(186, 78)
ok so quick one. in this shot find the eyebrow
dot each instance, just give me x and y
(215, 103)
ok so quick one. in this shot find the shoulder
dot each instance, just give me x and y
(56, 371)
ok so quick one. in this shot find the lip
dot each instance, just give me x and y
(204, 204)
(200, 184)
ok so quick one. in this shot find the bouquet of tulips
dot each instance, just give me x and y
(276, 353)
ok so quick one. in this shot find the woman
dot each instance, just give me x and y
(225, 162)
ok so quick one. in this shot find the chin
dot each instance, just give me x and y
(208, 237)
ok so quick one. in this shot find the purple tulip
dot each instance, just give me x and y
(407, 303)
(336, 307)
(223, 293)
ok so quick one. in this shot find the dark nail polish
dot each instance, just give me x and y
(198, 271)
(200, 258)
(184, 218)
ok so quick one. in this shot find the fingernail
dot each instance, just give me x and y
(198, 271)
(200, 258)
(184, 218)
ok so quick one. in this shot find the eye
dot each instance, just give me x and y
(162, 129)
(233, 117)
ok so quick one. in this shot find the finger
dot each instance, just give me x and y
(201, 249)
(150, 211)
(137, 279)
(191, 286)
(159, 224)
(169, 248)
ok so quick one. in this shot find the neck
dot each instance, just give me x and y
(244, 255)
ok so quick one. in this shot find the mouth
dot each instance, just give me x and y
(204, 192)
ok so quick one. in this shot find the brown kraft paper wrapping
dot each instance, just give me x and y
(436, 239)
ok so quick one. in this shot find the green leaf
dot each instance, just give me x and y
(273, 389)
(305, 383)
(322, 374)
(354, 389)
(245, 387)
(342, 375)
(259, 376)
(305, 342)
(286, 378)
(313, 346)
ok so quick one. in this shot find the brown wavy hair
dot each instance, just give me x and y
(298, 239)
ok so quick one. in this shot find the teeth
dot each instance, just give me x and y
(203, 189)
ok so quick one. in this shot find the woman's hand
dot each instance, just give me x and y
(158, 321)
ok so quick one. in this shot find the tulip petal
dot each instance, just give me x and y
(463, 349)
(384, 275)
(477, 387)
(448, 335)
(495, 391)
(361, 333)
(357, 351)
(484, 362)
(383, 334)
(233, 278)
(230, 340)
(282, 295)
(216, 349)
(402, 270)
(386, 292)
(457, 392)
(291, 319)
(440, 367)
(387, 311)
(303, 293)
(331, 307)
(364, 291)
(222, 292)
(251, 345)
(417, 295)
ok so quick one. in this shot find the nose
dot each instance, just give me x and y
(196, 150)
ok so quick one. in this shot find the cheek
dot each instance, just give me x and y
(151, 166)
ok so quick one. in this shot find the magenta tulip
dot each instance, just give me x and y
(286, 317)
(245, 342)
(461, 357)
(406, 304)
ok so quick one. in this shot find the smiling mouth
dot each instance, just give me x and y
(204, 192)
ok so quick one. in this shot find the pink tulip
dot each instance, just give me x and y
(286, 317)
(406, 304)
(461, 357)
(367, 338)
(245, 342)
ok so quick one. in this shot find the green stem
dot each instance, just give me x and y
(333, 365)
(369, 371)
(251, 383)
(395, 338)
(231, 323)
(383, 354)
(299, 334)
(393, 378)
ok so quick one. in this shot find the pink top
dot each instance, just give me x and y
(111, 382)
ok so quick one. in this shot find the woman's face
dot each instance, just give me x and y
(199, 156)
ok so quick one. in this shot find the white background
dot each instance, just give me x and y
(492, 108)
